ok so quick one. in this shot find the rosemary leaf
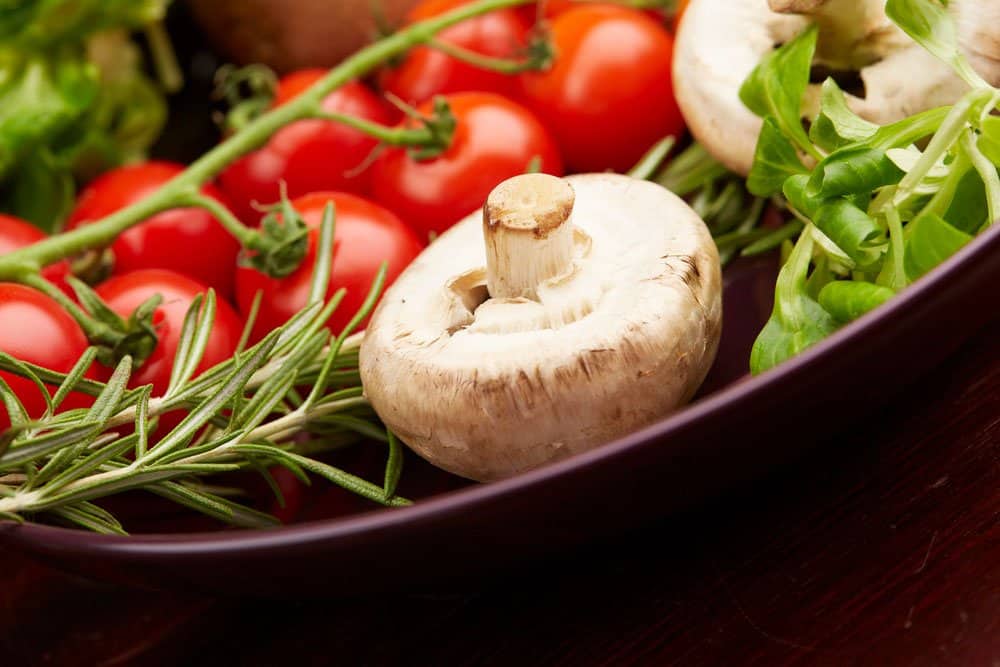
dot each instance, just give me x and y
(20, 453)
(320, 281)
(16, 413)
(77, 515)
(73, 377)
(142, 423)
(393, 466)
(203, 413)
(61, 462)
(251, 320)
(114, 448)
(26, 371)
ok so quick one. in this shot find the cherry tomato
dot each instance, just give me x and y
(125, 293)
(16, 233)
(494, 140)
(608, 97)
(308, 155)
(36, 329)
(427, 72)
(187, 240)
(365, 235)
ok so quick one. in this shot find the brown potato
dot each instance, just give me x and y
(291, 34)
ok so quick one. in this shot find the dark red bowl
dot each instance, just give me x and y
(739, 429)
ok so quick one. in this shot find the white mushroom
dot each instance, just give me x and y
(592, 309)
(721, 41)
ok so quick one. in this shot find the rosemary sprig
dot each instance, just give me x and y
(241, 415)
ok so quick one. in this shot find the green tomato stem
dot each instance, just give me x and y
(185, 186)
(390, 136)
(246, 236)
(507, 66)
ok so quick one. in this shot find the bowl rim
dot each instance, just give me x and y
(384, 519)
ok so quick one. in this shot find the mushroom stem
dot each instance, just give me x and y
(851, 36)
(528, 234)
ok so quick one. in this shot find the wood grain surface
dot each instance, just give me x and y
(881, 548)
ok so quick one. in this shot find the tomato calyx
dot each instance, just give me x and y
(438, 127)
(245, 92)
(115, 336)
(281, 243)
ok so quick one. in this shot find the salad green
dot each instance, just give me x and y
(881, 206)
(74, 99)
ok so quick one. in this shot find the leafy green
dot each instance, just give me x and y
(775, 160)
(852, 229)
(848, 300)
(39, 98)
(968, 211)
(854, 170)
(880, 212)
(929, 24)
(930, 241)
(797, 321)
(777, 86)
(74, 99)
(41, 23)
(837, 126)
(989, 140)
(39, 191)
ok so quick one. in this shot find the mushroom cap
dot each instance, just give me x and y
(487, 388)
(720, 42)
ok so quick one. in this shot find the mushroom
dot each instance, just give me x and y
(721, 41)
(568, 313)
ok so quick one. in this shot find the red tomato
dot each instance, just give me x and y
(187, 240)
(365, 235)
(16, 233)
(608, 96)
(308, 155)
(34, 328)
(427, 72)
(125, 293)
(494, 140)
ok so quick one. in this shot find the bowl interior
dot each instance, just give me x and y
(748, 297)
(749, 286)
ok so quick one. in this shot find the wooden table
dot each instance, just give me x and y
(882, 548)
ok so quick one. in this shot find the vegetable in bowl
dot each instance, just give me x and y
(878, 210)
(566, 314)
(292, 389)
